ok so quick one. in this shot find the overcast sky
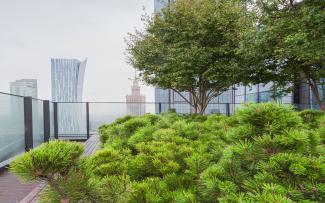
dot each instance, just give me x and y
(34, 31)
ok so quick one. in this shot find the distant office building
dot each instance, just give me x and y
(67, 79)
(67, 86)
(160, 4)
(24, 87)
(162, 100)
(135, 102)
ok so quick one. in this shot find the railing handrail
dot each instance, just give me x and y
(124, 102)
(16, 95)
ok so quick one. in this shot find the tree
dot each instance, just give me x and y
(287, 46)
(191, 46)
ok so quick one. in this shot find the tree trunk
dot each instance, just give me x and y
(65, 200)
(201, 108)
(322, 106)
(314, 88)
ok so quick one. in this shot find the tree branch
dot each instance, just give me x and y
(180, 94)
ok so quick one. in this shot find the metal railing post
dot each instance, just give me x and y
(87, 118)
(47, 122)
(227, 109)
(56, 127)
(28, 122)
(159, 107)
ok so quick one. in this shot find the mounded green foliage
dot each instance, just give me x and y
(55, 157)
(313, 118)
(264, 153)
(59, 163)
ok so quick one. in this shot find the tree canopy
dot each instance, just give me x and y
(287, 46)
(191, 46)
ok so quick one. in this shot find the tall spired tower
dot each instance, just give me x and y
(135, 102)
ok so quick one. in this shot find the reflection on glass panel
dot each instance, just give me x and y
(72, 120)
(226, 97)
(240, 99)
(266, 96)
(182, 108)
(12, 130)
(265, 87)
(240, 90)
(251, 89)
(162, 97)
(38, 122)
(287, 99)
(252, 97)
(215, 108)
(51, 121)
(105, 113)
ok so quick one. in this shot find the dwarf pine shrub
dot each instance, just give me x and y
(264, 153)
(249, 157)
(59, 163)
(313, 118)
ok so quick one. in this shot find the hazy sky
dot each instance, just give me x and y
(34, 31)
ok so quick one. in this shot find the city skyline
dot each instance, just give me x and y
(33, 32)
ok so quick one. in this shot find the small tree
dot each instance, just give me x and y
(57, 163)
(288, 45)
(191, 46)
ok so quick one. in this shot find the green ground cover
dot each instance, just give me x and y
(264, 153)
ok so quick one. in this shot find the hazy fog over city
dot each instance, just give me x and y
(34, 31)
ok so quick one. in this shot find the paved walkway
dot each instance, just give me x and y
(13, 191)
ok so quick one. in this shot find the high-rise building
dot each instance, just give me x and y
(135, 102)
(67, 86)
(24, 87)
(67, 79)
(160, 4)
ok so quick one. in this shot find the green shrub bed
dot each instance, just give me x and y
(264, 153)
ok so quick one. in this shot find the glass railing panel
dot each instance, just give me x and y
(216, 108)
(38, 122)
(72, 120)
(51, 121)
(12, 130)
(105, 113)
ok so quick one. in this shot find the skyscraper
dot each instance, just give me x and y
(135, 102)
(67, 79)
(24, 87)
(67, 86)
(160, 4)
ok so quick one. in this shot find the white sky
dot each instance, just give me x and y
(33, 31)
